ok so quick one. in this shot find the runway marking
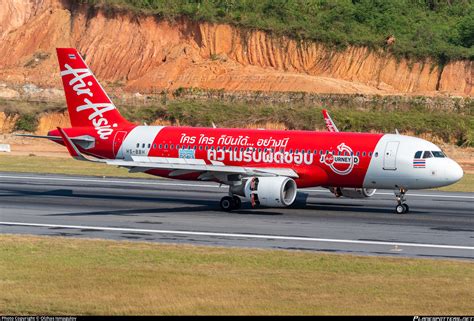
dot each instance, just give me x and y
(248, 236)
(92, 180)
(127, 181)
(429, 195)
(408, 194)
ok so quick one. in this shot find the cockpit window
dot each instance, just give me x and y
(438, 154)
(427, 154)
(418, 154)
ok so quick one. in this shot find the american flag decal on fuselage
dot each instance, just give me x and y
(419, 163)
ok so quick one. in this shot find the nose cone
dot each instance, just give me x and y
(453, 172)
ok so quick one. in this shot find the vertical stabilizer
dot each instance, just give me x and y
(87, 102)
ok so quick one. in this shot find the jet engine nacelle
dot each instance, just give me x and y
(356, 192)
(268, 191)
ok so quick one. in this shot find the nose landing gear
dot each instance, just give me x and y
(402, 207)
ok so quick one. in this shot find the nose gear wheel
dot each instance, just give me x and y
(402, 207)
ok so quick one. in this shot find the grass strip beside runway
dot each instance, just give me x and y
(69, 166)
(466, 184)
(61, 165)
(46, 275)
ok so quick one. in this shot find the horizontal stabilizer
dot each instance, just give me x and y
(73, 150)
(58, 138)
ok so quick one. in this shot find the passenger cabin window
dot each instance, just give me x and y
(143, 145)
(427, 154)
(418, 154)
(438, 154)
(138, 145)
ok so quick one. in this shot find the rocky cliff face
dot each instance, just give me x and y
(7, 123)
(146, 54)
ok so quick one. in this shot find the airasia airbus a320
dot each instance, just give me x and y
(265, 167)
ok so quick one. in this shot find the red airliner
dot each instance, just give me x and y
(265, 167)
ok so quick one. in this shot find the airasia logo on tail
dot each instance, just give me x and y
(348, 160)
(96, 110)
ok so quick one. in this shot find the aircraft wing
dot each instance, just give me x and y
(180, 166)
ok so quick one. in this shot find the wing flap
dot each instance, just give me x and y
(176, 164)
(168, 160)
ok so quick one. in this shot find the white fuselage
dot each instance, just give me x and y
(394, 168)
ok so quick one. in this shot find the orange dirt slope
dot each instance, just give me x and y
(146, 54)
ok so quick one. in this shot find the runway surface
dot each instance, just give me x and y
(440, 224)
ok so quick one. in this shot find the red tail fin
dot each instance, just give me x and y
(87, 102)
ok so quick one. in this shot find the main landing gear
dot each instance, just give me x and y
(229, 203)
(402, 207)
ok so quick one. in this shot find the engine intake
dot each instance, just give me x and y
(269, 191)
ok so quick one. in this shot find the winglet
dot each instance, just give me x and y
(73, 150)
(329, 123)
